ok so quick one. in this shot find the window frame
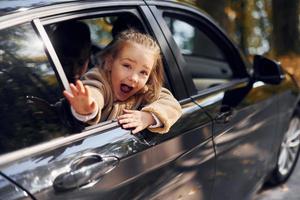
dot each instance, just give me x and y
(232, 54)
(35, 17)
(138, 11)
(36, 89)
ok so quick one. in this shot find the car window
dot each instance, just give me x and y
(204, 59)
(103, 29)
(29, 91)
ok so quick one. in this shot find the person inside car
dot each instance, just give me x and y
(72, 43)
(129, 78)
(122, 23)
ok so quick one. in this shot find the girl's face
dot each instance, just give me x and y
(130, 70)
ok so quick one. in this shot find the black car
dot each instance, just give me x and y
(239, 128)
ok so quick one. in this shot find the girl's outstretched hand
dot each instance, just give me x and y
(80, 99)
(136, 120)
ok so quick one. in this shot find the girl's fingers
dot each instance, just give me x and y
(73, 89)
(79, 86)
(136, 130)
(129, 111)
(68, 95)
(125, 116)
(126, 120)
(87, 91)
(131, 125)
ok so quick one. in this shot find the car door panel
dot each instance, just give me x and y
(243, 113)
(183, 160)
(107, 162)
(244, 142)
(286, 103)
(194, 128)
(9, 190)
(141, 169)
(38, 173)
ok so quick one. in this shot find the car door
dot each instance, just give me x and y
(103, 161)
(9, 190)
(244, 113)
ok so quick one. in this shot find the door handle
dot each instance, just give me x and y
(88, 169)
(224, 117)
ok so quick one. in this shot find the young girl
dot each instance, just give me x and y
(129, 78)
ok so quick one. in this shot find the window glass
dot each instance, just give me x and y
(102, 30)
(29, 90)
(204, 59)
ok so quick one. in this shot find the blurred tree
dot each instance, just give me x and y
(216, 9)
(285, 19)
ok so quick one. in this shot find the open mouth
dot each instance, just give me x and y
(125, 88)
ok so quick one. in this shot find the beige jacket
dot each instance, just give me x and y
(166, 108)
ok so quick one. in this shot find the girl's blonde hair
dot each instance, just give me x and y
(154, 84)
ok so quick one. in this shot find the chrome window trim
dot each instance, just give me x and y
(52, 54)
(25, 16)
(59, 18)
(235, 83)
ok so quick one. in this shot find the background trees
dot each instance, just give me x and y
(266, 27)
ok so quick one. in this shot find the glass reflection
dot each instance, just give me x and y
(28, 86)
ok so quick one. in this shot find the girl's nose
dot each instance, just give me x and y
(134, 78)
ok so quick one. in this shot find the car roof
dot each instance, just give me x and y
(13, 6)
(17, 6)
(8, 6)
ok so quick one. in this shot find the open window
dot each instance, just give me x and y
(102, 30)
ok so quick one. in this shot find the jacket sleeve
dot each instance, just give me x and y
(95, 81)
(167, 109)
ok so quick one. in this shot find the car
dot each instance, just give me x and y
(239, 128)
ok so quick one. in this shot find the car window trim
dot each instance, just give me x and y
(67, 7)
(51, 54)
(220, 40)
(172, 65)
(235, 83)
(211, 25)
(86, 14)
(235, 57)
(178, 57)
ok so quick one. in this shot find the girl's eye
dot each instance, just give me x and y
(126, 65)
(144, 73)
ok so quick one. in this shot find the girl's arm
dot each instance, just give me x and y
(86, 102)
(167, 109)
(138, 120)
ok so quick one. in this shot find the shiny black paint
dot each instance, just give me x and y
(241, 157)
(246, 125)
(10, 190)
(190, 152)
(223, 146)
